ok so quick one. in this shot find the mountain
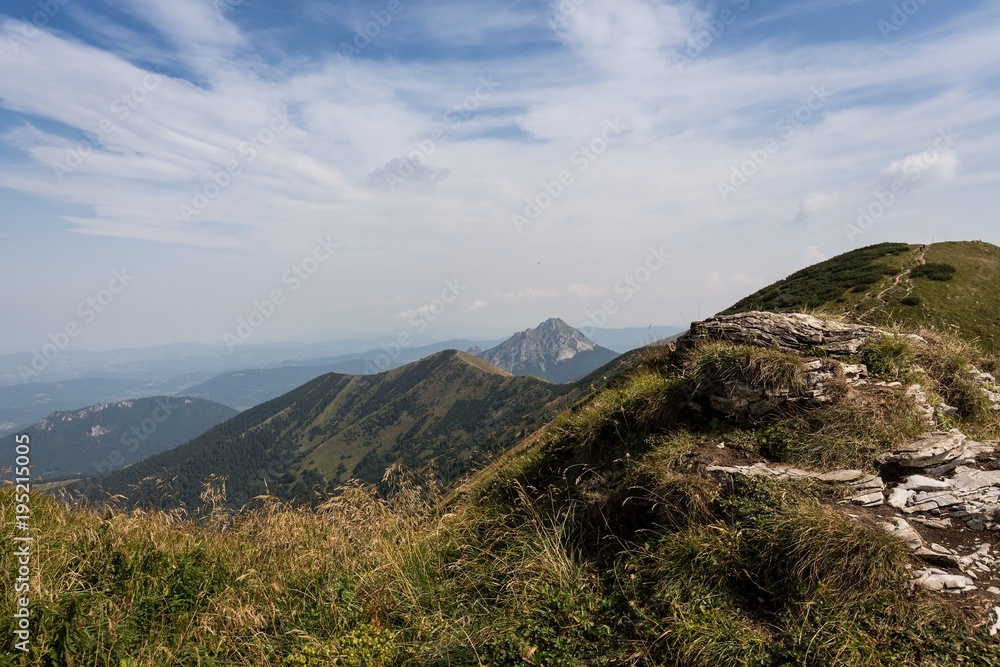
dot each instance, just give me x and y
(450, 411)
(110, 436)
(24, 404)
(244, 389)
(945, 286)
(385, 358)
(553, 351)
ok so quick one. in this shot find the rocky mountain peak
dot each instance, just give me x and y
(539, 351)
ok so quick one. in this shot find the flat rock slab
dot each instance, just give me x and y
(922, 483)
(855, 478)
(935, 453)
(904, 531)
(975, 481)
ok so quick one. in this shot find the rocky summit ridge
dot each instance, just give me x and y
(938, 492)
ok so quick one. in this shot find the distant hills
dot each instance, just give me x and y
(110, 436)
(553, 351)
(448, 413)
(24, 404)
(244, 389)
(946, 286)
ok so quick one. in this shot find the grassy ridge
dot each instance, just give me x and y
(949, 287)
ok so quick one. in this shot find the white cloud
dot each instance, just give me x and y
(527, 295)
(188, 23)
(921, 169)
(477, 305)
(403, 174)
(584, 291)
(812, 205)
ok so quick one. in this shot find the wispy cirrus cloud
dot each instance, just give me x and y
(224, 76)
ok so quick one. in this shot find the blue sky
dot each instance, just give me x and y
(544, 155)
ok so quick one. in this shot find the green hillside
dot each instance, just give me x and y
(110, 436)
(946, 286)
(450, 410)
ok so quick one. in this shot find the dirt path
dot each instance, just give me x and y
(902, 276)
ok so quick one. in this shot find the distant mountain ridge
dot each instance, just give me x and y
(553, 351)
(110, 436)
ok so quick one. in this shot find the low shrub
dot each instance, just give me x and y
(940, 272)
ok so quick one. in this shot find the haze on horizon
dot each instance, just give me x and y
(168, 167)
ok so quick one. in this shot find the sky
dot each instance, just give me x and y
(248, 171)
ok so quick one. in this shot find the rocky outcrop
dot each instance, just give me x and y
(938, 484)
(822, 343)
(820, 381)
(938, 493)
(791, 332)
(940, 581)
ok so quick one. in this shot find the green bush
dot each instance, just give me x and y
(941, 272)
(911, 301)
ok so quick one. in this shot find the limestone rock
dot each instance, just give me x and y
(922, 483)
(856, 373)
(919, 396)
(936, 453)
(940, 581)
(786, 472)
(904, 531)
(791, 332)
(873, 499)
(819, 383)
(988, 385)
(899, 497)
